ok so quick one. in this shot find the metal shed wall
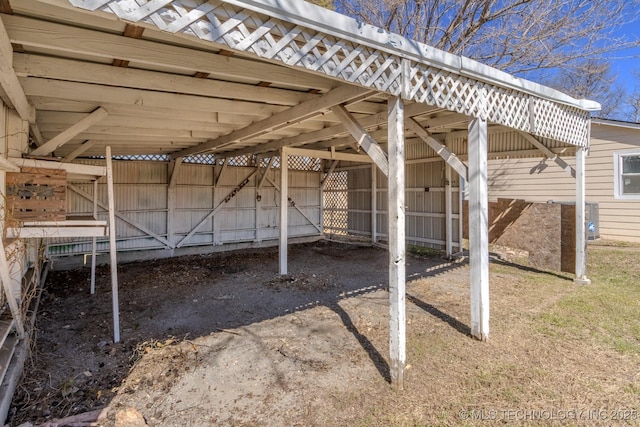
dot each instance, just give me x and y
(141, 196)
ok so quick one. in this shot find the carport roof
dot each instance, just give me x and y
(237, 77)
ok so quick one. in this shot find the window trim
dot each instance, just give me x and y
(617, 174)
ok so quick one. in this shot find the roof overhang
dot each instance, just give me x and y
(240, 77)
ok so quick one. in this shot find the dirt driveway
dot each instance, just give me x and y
(223, 340)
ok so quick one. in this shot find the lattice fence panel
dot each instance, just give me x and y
(336, 204)
(200, 159)
(366, 63)
(304, 163)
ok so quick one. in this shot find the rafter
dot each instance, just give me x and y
(10, 90)
(364, 139)
(440, 149)
(550, 154)
(305, 110)
(66, 136)
(64, 38)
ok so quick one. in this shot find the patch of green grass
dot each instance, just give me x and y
(423, 251)
(605, 311)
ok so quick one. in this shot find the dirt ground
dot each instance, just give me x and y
(223, 340)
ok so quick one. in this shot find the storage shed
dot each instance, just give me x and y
(225, 120)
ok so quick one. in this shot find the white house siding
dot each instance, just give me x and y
(540, 180)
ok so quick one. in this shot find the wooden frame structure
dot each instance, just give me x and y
(231, 78)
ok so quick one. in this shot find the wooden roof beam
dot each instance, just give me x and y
(550, 154)
(74, 40)
(10, 90)
(375, 120)
(301, 112)
(66, 136)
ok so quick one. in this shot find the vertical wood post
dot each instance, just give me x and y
(112, 248)
(94, 240)
(461, 184)
(374, 203)
(479, 229)
(174, 167)
(448, 210)
(581, 231)
(397, 338)
(284, 208)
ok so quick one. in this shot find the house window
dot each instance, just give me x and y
(627, 174)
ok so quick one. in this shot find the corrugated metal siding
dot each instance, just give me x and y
(141, 195)
(424, 201)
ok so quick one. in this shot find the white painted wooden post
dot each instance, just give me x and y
(581, 231)
(461, 184)
(479, 229)
(94, 241)
(374, 203)
(112, 248)
(284, 208)
(174, 166)
(397, 338)
(448, 210)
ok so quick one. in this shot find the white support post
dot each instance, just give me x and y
(374, 203)
(112, 248)
(94, 240)
(461, 184)
(397, 338)
(479, 229)
(581, 231)
(174, 167)
(448, 210)
(284, 208)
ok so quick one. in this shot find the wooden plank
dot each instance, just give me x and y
(6, 353)
(66, 136)
(439, 148)
(36, 194)
(397, 255)
(300, 112)
(78, 151)
(374, 204)
(12, 300)
(70, 168)
(10, 90)
(6, 324)
(479, 229)
(56, 232)
(94, 241)
(362, 137)
(550, 154)
(296, 207)
(284, 212)
(448, 209)
(112, 247)
(100, 95)
(329, 155)
(85, 72)
(68, 39)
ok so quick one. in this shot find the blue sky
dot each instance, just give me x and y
(626, 67)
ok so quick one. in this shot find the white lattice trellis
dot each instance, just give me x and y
(265, 29)
(336, 204)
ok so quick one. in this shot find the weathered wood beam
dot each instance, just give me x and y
(11, 91)
(296, 207)
(550, 154)
(397, 249)
(284, 211)
(374, 204)
(301, 112)
(66, 136)
(78, 151)
(112, 247)
(479, 229)
(70, 168)
(65, 38)
(438, 147)
(86, 72)
(329, 155)
(364, 140)
(101, 95)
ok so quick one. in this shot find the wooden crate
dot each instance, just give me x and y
(36, 194)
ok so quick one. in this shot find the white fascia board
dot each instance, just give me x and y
(334, 23)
